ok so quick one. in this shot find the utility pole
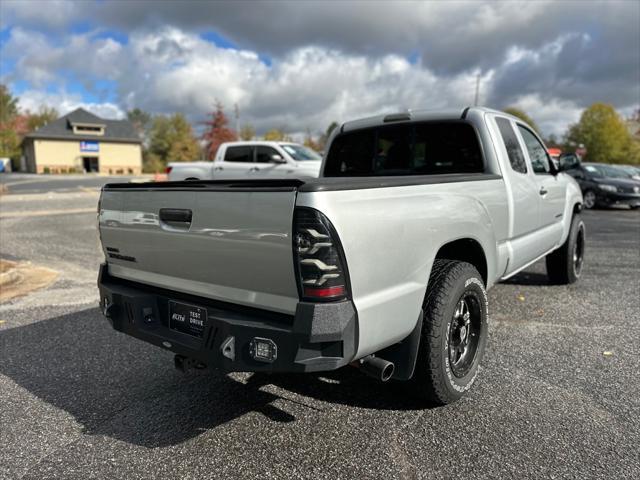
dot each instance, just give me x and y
(475, 101)
(237, 113)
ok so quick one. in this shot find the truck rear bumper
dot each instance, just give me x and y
(319, 337)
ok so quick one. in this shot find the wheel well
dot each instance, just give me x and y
(192, 178)
(466, 250)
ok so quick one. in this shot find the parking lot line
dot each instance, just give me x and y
(43, 213)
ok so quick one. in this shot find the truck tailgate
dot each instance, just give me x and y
(225, 243)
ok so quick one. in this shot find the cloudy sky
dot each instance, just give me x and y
(300, 65)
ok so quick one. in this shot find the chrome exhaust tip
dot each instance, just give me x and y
(377, 367)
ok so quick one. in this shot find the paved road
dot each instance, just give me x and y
(20, 183)
(82, 401)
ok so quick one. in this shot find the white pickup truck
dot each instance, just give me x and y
(381, 263)
(251, 160)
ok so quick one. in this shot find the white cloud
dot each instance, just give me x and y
(551, 116)
(64, 103)
(168, 69)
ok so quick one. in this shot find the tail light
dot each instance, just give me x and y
(168, 170)
(320, 263)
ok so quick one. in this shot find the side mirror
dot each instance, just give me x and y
(569, 162)
(275, 158)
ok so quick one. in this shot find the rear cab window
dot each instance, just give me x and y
(419, 148)
(239, 154)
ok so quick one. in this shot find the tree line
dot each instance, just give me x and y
(15, 124)
(601, 132)
(171, 138)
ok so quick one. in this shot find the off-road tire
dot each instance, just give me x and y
(433, 379)
(562, 265)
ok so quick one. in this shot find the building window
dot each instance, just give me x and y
(88, 129)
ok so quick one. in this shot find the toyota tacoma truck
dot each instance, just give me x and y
(251, 160)
(382, 263)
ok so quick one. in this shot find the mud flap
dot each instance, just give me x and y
(404, 353)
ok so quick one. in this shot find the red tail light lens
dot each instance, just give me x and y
(330, 292)
(319, 258)
(168, 170)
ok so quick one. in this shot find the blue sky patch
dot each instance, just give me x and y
(219, 40)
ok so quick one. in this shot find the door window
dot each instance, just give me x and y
(537, 153)
(265, 154)
(514, 152)
(239, 154)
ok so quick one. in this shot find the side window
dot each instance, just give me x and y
(537, 153)
(516, 156)
(264, 154)
(239, 154)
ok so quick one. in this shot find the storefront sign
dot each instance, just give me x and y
(89, 146)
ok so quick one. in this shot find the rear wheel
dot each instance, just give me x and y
(454, 332)
(564, 265)
(589, 199)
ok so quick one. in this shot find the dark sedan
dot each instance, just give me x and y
(605, 185)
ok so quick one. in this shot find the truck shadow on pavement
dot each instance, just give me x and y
(120, 387)
(528, 278)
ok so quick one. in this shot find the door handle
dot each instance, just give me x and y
(543, 191)
(218, 169)
(175, 215)
(254, 169)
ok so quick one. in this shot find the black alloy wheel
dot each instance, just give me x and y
(464, 334)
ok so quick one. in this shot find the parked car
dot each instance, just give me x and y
(254, 160)
(631, 170)
(605, 185)
(382, 263)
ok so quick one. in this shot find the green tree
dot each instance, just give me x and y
(159, 137)
(605, 136)
(141, 122)
(516, 112)
(171, 139)
(44, 115)
(275, 135)
(8, 105)
(9, 139)
(183, 146)
(247, 132)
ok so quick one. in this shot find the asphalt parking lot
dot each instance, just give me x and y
(28, 183)
(558, 395)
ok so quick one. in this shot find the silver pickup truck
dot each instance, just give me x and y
(382, 263)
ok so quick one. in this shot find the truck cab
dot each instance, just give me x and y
(251, 160)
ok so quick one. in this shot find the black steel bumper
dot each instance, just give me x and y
(318, 337)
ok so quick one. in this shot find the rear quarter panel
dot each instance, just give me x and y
(199, 170)
(391, 236)
(573, 197)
